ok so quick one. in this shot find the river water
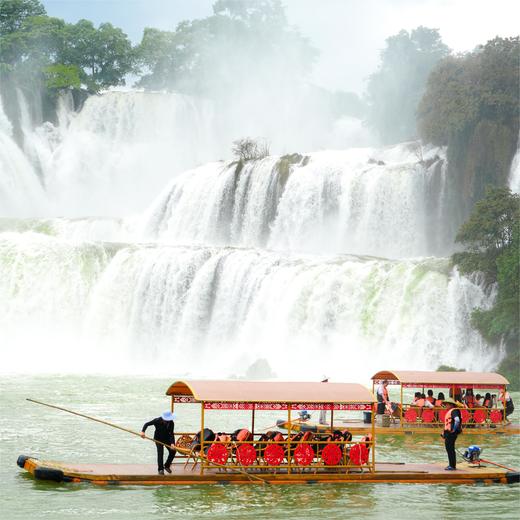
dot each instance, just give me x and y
(30, 429)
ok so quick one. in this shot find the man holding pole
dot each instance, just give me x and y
(164, 427)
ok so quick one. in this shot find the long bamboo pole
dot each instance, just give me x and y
(122, 428)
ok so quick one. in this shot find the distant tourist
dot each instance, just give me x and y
(479, 400)
(440, 399)
(488, 401)
(323, 413)
(164, 427)
(452, 428)
(382, 397)
(421, 401)
(430, 397)
(507, 401)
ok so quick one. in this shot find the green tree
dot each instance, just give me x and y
(394, 91)
(104, 56)
(14, 12)
(492, 238)
(250, 43)
(464, 90)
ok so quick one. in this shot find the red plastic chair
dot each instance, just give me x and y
(218, 453)
(410, 415)
(246, 454)
(428, 416)
(495, 416)
(274, 454)
(465, 415)
(479, 415)
(303, 455)
(331, 455)
(359, 454)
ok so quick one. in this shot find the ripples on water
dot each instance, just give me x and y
(30, 429)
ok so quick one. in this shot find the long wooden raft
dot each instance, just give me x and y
(146, 474)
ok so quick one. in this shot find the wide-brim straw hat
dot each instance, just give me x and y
(168, 416)
(449, 400)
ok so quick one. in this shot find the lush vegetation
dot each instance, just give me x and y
(196, 57)
(471, 104)
(394, 91)
(491, 237)
(37, 48)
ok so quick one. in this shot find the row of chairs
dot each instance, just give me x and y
(428, 415)
(273, 450)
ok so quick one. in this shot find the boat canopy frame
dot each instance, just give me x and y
(452, 380)
(275, 395)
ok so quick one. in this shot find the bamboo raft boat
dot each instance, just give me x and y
(257, 459)
(146, 474)
(407, 419)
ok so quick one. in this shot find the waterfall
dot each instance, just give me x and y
(20, 189)
(214, 311)
(514, 173)
(140, 250)
(358, 201)
(112, 157)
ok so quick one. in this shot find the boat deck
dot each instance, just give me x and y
(395, 428)
(146, 474)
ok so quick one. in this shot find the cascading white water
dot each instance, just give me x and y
(73, 297)
(19, 184)
(331, 202)
(214, 311)
(113, 156)
(514, 173)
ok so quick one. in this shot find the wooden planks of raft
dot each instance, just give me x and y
(145, 474)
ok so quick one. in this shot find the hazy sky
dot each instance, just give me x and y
(348, 33)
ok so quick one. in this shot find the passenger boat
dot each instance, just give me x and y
(408, 419)
(251, 457)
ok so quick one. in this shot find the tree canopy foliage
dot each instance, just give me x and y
(35, 47)
(250, 41)
(492, 238)
(394, 91)
(462, 90)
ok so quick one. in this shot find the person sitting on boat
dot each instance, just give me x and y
(440, 399)
(421, 401)
(479, 400)
(507, 401)
(430, 397)
(164, 433)
(469, 398)
(452, 428)
(382, 397)
(488, 401)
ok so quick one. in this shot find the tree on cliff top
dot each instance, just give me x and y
(242, 43)
(492, 238)
(394, 91)
(462, 90)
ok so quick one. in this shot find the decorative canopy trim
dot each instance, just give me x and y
(413, 378)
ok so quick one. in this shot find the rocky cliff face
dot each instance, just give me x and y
(479, 158)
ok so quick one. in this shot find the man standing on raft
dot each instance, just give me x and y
(164, 433)
(452, 428)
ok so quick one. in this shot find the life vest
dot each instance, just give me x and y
(243, 435)
(470, 401)
(431, 400)
(448, 420)
(438, 402)
(488, 403)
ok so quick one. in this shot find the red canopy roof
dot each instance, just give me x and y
(272, 392)
(404, 377)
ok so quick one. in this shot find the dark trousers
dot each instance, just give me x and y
(160, 456)
(449, 443)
